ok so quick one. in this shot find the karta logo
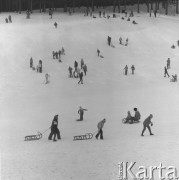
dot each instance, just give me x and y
(126, 172)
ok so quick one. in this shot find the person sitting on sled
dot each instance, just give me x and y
(136, 117)
(128, 118)
(174, 78)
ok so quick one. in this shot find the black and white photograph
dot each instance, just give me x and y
(89, 89)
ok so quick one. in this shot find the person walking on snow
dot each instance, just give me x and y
(81, 113)
(166, 72)
(81, 78)
(54, 129)
(100, 129)
(147, 122)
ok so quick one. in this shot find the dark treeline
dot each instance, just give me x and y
(42, 5)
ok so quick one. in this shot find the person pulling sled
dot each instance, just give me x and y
(54, 129)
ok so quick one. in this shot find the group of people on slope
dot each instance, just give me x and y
(126, 69)
(146, 124)
(166, 68)
(55, 133)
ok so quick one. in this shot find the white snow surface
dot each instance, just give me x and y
(28, 105)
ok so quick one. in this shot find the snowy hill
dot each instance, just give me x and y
(28, 105)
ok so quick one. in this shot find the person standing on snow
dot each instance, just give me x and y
(85, 69)
(31, 62)
(109, 40)
(82, 63)
(132, 68)
(81, 112)
(168, 63)
(70, 69)
(126, 70)
(100, 129)
(55, 24)
(146, 124)
(40, 66)
(98, 52)
(75, 65)
(47, 76)
(54, 129)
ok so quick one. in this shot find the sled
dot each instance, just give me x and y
(33, 137)
(101, 56)
(129, 122)
(87, 136)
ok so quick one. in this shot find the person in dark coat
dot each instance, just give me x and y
(81, 78)
(109, 40)
(54, 129)
(53, 54)
(82, 63)
(99, 13)
(31, 62)
(146, 124)
(168, 63)
(166, 72)
(100, 129)
(81, 112)
(126, 70)
(40, 66)
(85, 69)
(98, 52)
(155, 13)
(6, 20)
(55, 24)
(120, 40)
(132, 68)
(136, 117)
(75, 65)
(70, 69)
(10, 19)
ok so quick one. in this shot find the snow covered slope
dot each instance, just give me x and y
(28, 105)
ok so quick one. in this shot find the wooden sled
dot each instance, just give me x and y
(33, 137)
(87, 136)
